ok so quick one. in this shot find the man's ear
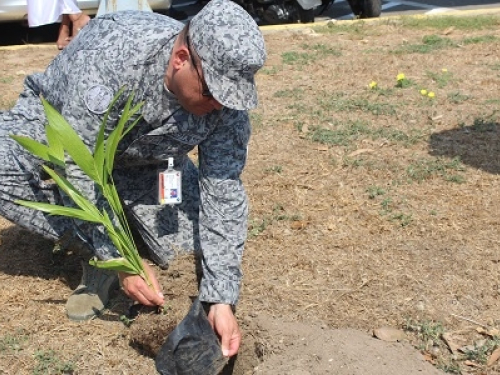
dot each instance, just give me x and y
(180, 56)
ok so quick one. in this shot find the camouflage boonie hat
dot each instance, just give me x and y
(231, 48)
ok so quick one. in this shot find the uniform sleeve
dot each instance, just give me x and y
(81, 85)
(223, 208)
(84, 77)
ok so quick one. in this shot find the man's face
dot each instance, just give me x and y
(190, 87)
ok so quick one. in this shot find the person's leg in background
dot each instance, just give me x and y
(51, 11)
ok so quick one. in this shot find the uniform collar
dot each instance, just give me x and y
(157, 102)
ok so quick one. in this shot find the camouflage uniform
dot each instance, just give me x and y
(132, 50)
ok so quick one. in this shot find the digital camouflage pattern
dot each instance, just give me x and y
(231, 53)
(131, 50)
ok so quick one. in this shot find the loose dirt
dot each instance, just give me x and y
(370, 208)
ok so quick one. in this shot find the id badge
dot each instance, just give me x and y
(169, 185)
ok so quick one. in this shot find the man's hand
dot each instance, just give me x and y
(224, 323)
(136, 287)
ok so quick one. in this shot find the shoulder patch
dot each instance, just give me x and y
(98, 98)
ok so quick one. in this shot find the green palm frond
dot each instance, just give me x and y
(71, 141)
(39, 149)
(56, 147)
(119, 265)
(54, 209)
(63, 140)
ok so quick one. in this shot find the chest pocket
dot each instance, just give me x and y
(178, 135)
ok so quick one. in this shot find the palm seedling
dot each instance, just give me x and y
(62, 142)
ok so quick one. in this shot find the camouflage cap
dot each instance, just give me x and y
(231, 48)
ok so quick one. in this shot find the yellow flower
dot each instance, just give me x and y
(431, 94)
(444, 70)
(373, 85)
(423, 92)
(400, 76)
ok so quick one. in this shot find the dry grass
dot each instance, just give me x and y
(369, 207)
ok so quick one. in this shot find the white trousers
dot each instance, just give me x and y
(44, 12)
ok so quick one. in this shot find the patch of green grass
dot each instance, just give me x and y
(430, 43)
(279, 214)
(457, 97)
(425, 330)
(297, 58)
(492, 101)
(357, 162)
(441, 78)
(274, 169)
(456, 178)
(384, 91)
(342, 136)
(257, 226)
(399, 136)
(12, 343)
(404, 83)
(424, 169)
(459, 23)
(403, 219)
(480, 39)
(338, 103)
(48, 363)
(287, 217)
(7, 80)
(358, 28)
(271, 70)
(484, 124)
(386, 205)
(481, 353)
(374, 191)
(299, 107)
(322, 50)
(296, 94)
(345, 134)
(450, 367)
(255, 119)
(495, 66)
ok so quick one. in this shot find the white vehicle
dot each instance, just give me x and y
(16, 10)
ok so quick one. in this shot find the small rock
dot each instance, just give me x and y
(435, 351)
(389, 334)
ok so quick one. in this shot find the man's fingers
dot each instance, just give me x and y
(224, 323)
(225, 342)
(148, 297)
(153, 279)
(139, 297)
(230, 343)
(234, 345)
(136, 288)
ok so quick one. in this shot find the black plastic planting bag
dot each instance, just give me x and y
(192, 348)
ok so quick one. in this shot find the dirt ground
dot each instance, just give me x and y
(374, 212)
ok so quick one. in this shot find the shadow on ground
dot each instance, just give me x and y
(477, 145)
(27, 254)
